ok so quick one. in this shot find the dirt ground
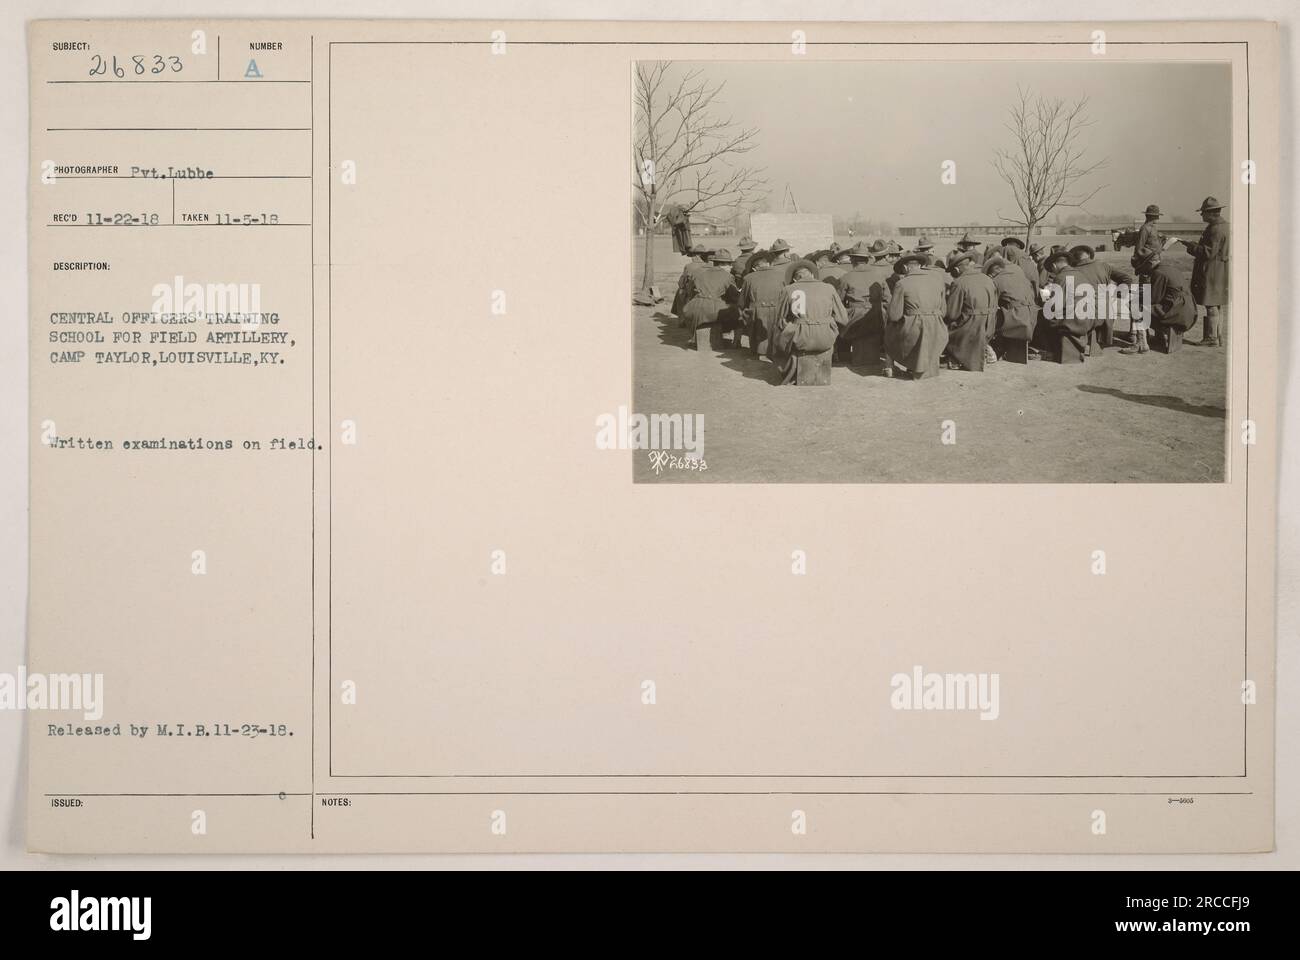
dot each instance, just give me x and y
(1114, 418)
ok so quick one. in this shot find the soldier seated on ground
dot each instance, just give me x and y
(810, 318)
(1045, 340)
(838, 264)
(970, 313)
(1173, 311)
(711, 302)
(699, 260)
(864, 291)
(1017, 309)
(759, 296)
(1098, 277)
(915, 333)
(741, 265)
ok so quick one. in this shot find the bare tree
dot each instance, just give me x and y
(1045, 168)
(685, 155)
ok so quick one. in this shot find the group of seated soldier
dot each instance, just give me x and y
(911, 313)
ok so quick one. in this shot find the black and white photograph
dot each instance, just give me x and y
(355, 524)
(992, 271)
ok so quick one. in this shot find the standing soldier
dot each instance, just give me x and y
(1210, 271)
(865, 293)
(759, 297)
(711, 302)
(810, 318)
(970, 313)
(679, 219)
(915, 335)
(1148, 238)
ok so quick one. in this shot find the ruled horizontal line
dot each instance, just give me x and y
(143, 83)
(782, 793)
(790, 776)
(786, 43)
(228, 176)
(156, 226)
(698, 793)
(174, 129)
(279, 793)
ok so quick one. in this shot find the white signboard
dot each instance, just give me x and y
(805, 232)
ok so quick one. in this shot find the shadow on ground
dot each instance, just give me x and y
(1158, 400)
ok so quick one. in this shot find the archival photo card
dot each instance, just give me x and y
(1035, 241)
(673, 437)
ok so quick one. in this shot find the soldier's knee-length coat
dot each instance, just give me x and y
(915, 335)
(971, 316)
(864, 290)
(1017, 310)
(810, 319)
(712, 297)
(684, 285)
(759, 297)
(1171, 302)
(1210, 272)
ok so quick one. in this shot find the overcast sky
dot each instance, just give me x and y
(869, 138)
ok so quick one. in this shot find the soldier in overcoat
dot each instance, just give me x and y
(810, 320)
(1210, 271)
(970, 313)
(915, 334)
(711, 308)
